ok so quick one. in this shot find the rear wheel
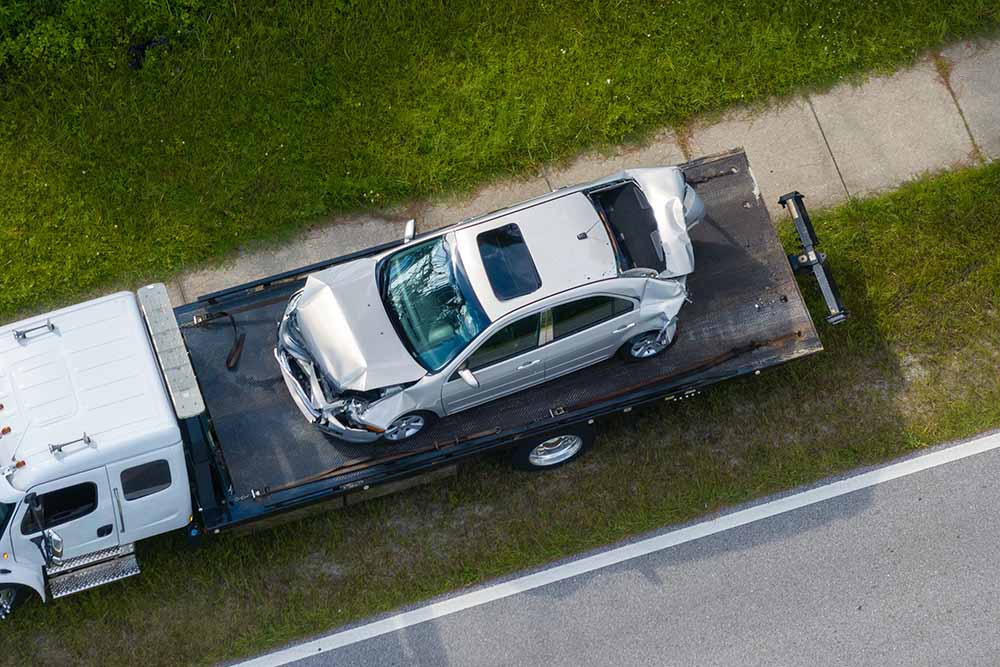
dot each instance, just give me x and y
(10, 597)
(553, 449)
(644, 346)
(407, 426)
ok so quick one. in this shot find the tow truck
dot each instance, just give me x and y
(126, 417)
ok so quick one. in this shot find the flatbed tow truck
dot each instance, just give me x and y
(244, 457)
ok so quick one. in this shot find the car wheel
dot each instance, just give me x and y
(554, 449)
(644, 346)
(407, 426)
(10, 597)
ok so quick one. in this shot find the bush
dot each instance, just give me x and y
(53, 33)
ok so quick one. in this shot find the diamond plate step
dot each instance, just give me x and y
(90, 559)
(93, 576)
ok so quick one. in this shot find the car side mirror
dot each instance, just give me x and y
(410, 230)
(469, 377)
(53, 547)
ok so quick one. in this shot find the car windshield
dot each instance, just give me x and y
(430, 302)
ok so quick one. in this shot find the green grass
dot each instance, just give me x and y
(918, 364)
(256, 119)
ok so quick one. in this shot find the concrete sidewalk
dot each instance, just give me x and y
(854, 140)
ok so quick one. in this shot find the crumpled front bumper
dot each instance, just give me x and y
(288, 348)
(328, 424)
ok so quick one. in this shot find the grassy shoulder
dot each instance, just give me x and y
(917, 364)
(250, 120)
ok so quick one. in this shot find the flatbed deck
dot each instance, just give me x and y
(746, 314)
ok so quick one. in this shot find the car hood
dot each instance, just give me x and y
(345, 328)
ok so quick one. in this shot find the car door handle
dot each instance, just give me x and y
(104, 531)
(528, 364)
(624, 328)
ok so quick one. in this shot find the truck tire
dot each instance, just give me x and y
(11, 595)
(554, 449)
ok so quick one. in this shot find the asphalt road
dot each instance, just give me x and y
(901, 573)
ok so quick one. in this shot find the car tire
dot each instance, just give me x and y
(554, 449)
(11, 597)
(408, 426)
(643, 346)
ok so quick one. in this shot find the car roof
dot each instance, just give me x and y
(550, 230)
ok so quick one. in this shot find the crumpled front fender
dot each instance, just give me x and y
(382, 413)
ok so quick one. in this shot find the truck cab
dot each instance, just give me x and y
(91, 455)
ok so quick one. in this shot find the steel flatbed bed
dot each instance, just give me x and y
(261, 457)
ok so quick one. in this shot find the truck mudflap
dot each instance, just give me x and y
(811, 260)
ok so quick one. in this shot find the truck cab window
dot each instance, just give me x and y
(5, 511)
(145, 480)
(62, 506)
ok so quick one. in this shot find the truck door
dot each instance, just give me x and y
(79, 508)
(152, 493)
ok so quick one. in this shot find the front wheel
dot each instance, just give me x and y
(10, 597)
(554, 449)
(407, 426)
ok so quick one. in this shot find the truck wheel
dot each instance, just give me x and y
(644, 346)
(10, 597)
(553, 449)
(407, 426)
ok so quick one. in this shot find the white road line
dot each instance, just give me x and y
(627, 552)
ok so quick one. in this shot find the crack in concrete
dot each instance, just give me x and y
(829, 150)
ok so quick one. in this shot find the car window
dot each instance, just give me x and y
(62, 506)
(575, 316)
(508, 264)
(511, 340)
(146, 479)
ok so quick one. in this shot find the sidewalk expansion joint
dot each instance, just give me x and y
(829, 150)
(545, 176)
(944, 67)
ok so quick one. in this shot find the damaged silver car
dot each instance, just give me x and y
(380, 346)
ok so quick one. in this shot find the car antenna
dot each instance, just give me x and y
(583, 235)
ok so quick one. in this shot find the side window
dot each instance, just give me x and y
(62, 506)
(570, 318)
(145, 480)
(513, 339)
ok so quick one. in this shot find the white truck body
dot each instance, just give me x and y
(89, 428)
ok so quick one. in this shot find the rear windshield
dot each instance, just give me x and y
(508, 264)
(632, 226)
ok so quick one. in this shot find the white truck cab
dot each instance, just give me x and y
(91, 457)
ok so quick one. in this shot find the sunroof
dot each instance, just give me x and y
(508, 263)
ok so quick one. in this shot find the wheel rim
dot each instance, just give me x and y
(404, 427)
(645, 347)
(555, 450)
(6, 601)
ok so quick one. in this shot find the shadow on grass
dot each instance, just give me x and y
(815, 417)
